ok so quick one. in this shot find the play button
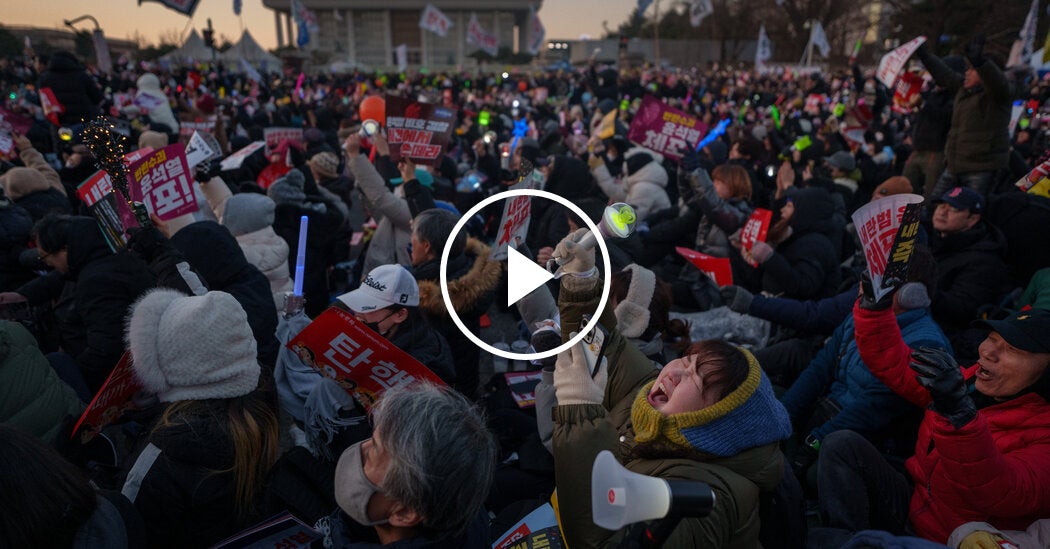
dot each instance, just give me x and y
(523, 276)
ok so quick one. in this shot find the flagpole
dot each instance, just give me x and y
(656, 33)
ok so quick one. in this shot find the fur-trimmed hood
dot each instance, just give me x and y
(467, 290)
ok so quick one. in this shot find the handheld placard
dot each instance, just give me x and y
(300, 257)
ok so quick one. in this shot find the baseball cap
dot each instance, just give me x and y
(386, 285)
(1026, 330)
(842, 160)
(963, 198)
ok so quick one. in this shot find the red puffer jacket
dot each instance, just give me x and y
(994, 469)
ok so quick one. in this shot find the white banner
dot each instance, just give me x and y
(435, 21)
(1021, 52)
(537, 33)
(699, 10)
(402, 58)
(877, 224)
(483, 39)
(891, 64)
(763, 50)
(105, 62)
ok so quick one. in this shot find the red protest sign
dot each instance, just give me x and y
(282, 531)
(275, 136)
(14, 123)
(755, 229)
(186, 129)
(877, 225)
(522, 387)
(96, 187)
(361, 361)
(717, 268)
(665, 129)
(111, 401)
(419, 131)
(908, 86)
(517, 212)
(161, 180)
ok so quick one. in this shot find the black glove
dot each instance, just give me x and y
(867, 297)
(801, 459)
(737, 299)
(922, 52)
(205, 171)
(146, 242)
(975, 50)
(941, 376)
(690, 160)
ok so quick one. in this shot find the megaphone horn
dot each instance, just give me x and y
(620, 497)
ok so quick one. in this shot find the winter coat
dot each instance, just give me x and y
(570, 179)
(721, 218)
(114, 524)
(866, 405)
(106, 285)
(995, 469)
(472, 282)
(932, 122)
(73, 87)
(149, 84)
(426, 345)
(182, 481)
(1036, 535)
(645, 189)
(32, 397)
(970, 273)
(581, 431)
(389, 244)
(269, 253)
(217, 257)
(15, 227)
(822, 316)
(339, 533)
(979, 139)
(321, 243)
(36, 187)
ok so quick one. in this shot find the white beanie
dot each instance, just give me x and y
(632, 314)
(192, 347)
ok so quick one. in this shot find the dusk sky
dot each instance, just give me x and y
(564, 19)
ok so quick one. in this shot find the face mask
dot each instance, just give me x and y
(353, 489)
(374, 326)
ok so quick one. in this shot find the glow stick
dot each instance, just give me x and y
(300, 257)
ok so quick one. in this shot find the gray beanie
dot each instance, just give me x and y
(288, 189)
(247, 212)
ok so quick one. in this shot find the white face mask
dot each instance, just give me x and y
(353, 489)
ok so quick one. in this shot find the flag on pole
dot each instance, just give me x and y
(185, 7)
(305, 21)
(537, 33)
(642, 6)
(1021, 51)
(819, 39)
(763, 50)
(483, 39)
(435, 21)
(236, 7)
(699, 10)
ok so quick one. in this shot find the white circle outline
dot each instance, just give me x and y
(443, 281)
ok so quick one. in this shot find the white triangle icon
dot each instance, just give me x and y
(523, 276)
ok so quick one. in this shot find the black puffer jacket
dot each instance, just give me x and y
(970, 273)
(570, 178)
(74, 88)
(41, 203)
(15, 226)
(322, 238)
(215, 254)
(426, 345)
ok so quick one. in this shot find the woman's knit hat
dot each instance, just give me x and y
(748, 417)
(248, 212)
(192, 347)
(289, 188)
(326, 165)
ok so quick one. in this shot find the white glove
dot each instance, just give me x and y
(578, 261)
(573, 383)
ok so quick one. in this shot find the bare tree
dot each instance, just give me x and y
(170, 36)
(950, 24)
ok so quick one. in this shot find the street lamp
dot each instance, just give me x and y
(102, 57)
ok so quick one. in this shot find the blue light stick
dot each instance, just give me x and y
(300, 257)
(713, 134)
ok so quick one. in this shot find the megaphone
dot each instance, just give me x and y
(620, 497)
(618, 221)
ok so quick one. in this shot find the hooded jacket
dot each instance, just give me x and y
(994, 469)
(217, 257)
(970, 273)
(73, 87)
(570, 179)
(149, 84)
(644, 188)
(581, 431)
(472, 282)
(36, 187)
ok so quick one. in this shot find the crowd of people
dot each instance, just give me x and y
(919, 418)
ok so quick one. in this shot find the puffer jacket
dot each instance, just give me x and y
(581, 431)
(74, 88)
(994, 469)
(645, 189)
(269, 253)
(36, 187)
(721, 218)
(149, 84)
(970, 273)
(428, 346)
(472, 281)
(32, 397)
(866, 404)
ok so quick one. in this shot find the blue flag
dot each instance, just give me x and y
(236, 7)
(304, 34)
(642, 6)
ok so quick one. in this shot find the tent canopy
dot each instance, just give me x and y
(191, 51)
(249, 50)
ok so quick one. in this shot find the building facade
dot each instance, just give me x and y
(368, 32)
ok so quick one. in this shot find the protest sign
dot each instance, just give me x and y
(419, 131)
(877, 226)
(909, 85)
(538, 529)
(282, 531)
(161, 180)
(11, 122)
(148, 102)
(755, 229)
(893, 62)
(136, 155)
(235, 160)
(1038, 174)
(665, 129)
(522, 387)
(187, 129)
(275, 136)
(717, 268)
(199, 149)
(361, 361)
(112, 400)
(514, 225)
(110, 209)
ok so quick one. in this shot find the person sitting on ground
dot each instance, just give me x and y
(420, 480)
(710, 416)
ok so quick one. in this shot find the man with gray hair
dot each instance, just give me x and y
(422, 478)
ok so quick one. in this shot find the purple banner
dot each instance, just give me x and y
(665, 130)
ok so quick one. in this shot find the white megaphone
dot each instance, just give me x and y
(618, 221)
(620, 497)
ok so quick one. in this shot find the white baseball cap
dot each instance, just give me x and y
(386, 285)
